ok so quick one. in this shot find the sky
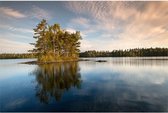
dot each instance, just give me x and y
(104, 25)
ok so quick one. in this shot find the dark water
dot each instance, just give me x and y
(120, 84)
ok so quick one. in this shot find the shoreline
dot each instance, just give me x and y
(36, 62)
(39, 63)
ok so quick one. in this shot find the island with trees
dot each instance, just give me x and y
(54, 44)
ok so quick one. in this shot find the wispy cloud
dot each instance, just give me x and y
(86, 45)
(39, 13)
(15, 29)
(11, 12)
(84, 22)
(70, 30)
(122, 24)
(8, 46)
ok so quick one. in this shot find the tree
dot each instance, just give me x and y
(55, 44)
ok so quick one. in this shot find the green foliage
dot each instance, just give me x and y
(55, 44)
(127, 53)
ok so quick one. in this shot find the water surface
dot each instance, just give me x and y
(120, 84)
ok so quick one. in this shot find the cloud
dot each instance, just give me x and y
(121, 25)
(86, 45)
(20, 37)
(15, 29)
(148, 28)
(23, 30)
(81, 21)
(11, 12)
(39, 13)
(70, 30)
(8, 46)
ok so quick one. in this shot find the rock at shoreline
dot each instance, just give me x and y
(101, 61)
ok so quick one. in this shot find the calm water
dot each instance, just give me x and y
(120, 84)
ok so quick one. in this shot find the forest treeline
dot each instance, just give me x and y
(143, 52)
(137, 52)
(17, 55)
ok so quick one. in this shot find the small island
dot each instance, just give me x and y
(54, 44)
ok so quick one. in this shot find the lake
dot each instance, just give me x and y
(120, 84)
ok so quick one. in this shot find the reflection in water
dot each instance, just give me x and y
(130, 61)
(120, 84)
(54, 79)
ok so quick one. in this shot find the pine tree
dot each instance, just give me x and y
(55, 44)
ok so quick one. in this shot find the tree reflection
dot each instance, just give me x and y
(54, 79)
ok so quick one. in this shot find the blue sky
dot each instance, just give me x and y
(103, 25)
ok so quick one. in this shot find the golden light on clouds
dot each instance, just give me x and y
(125, 24)
(104, 25)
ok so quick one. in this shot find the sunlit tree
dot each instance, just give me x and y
(55, 44)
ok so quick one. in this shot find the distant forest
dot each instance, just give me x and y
(17, 55)
(143, 52)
